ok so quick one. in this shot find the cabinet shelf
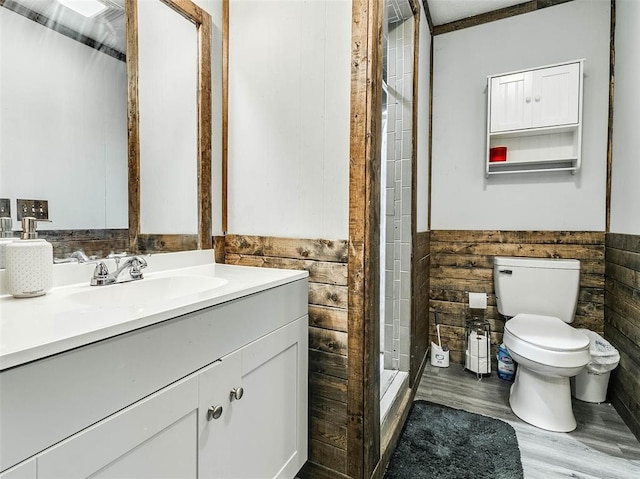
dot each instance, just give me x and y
(551, 164)
(547, 130)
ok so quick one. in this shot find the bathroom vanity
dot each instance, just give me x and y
(165, 383)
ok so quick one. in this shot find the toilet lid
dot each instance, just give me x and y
(546, 332)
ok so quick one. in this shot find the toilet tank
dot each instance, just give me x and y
(537, 286)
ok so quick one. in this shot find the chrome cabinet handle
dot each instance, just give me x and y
(214, 412)
(236, 393)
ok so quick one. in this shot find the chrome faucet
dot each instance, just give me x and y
(129, 270)
(76, 257)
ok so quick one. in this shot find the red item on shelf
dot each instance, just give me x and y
(498, 153)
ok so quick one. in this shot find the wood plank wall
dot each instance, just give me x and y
(166, 243)
(622, 324)
(326, 262)
(420, 305)
(98, 242)
(462, 261)
(101, 242)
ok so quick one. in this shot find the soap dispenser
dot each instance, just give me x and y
(29, 263)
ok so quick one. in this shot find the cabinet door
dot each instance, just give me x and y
(263, 434)
(511, 102)
(556, 95)
(272, 416)
(215, 385)
(154, 438)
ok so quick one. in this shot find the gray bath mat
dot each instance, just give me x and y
(439, 442)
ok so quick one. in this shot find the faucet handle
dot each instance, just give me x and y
(101, 275)
(80, 256)
(137, 263)
(140, 262)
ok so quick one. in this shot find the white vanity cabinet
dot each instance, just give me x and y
(137, 405)
(537, 115)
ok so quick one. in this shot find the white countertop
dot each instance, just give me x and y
(34, 328)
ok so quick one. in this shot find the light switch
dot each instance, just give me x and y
(38, 209)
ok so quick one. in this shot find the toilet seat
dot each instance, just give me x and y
(546, 340)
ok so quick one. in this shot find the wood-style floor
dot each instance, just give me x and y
(601, 446)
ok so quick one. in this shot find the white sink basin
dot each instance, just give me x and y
(146, 291)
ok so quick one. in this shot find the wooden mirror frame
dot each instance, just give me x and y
(202, 21)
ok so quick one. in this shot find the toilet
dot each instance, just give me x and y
(540, 296)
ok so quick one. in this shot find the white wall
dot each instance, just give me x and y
(462, 198)
(422, 174)
(289, 87)
(625, 180)
(63, 126)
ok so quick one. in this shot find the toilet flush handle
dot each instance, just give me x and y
(505, 271)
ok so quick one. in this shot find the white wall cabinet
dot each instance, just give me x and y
(173, 376)
(537, 115)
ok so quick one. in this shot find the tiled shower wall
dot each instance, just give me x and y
(398, 195)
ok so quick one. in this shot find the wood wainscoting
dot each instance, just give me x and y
(462, 261)
(420, 306)
(97, 242)
(326, 262)
(101, 242)
(166, 243)
(622, 324)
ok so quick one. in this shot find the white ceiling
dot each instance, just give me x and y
(107, 28)
(445, 11)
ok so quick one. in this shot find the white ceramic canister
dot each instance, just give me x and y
(4, 242)
(29, 263)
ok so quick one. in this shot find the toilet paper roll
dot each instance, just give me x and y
(478, 345)
(478, 300)
(477, 365)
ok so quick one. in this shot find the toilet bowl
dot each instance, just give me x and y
(548, 352)
(540, 296)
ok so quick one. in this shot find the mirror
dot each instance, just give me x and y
(63, 114)
(170, 145)
(70, 126)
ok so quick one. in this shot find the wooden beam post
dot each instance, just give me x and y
(133, 115)
(363, 394)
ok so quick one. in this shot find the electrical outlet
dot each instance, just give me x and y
(5, 207)
(38, 209)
